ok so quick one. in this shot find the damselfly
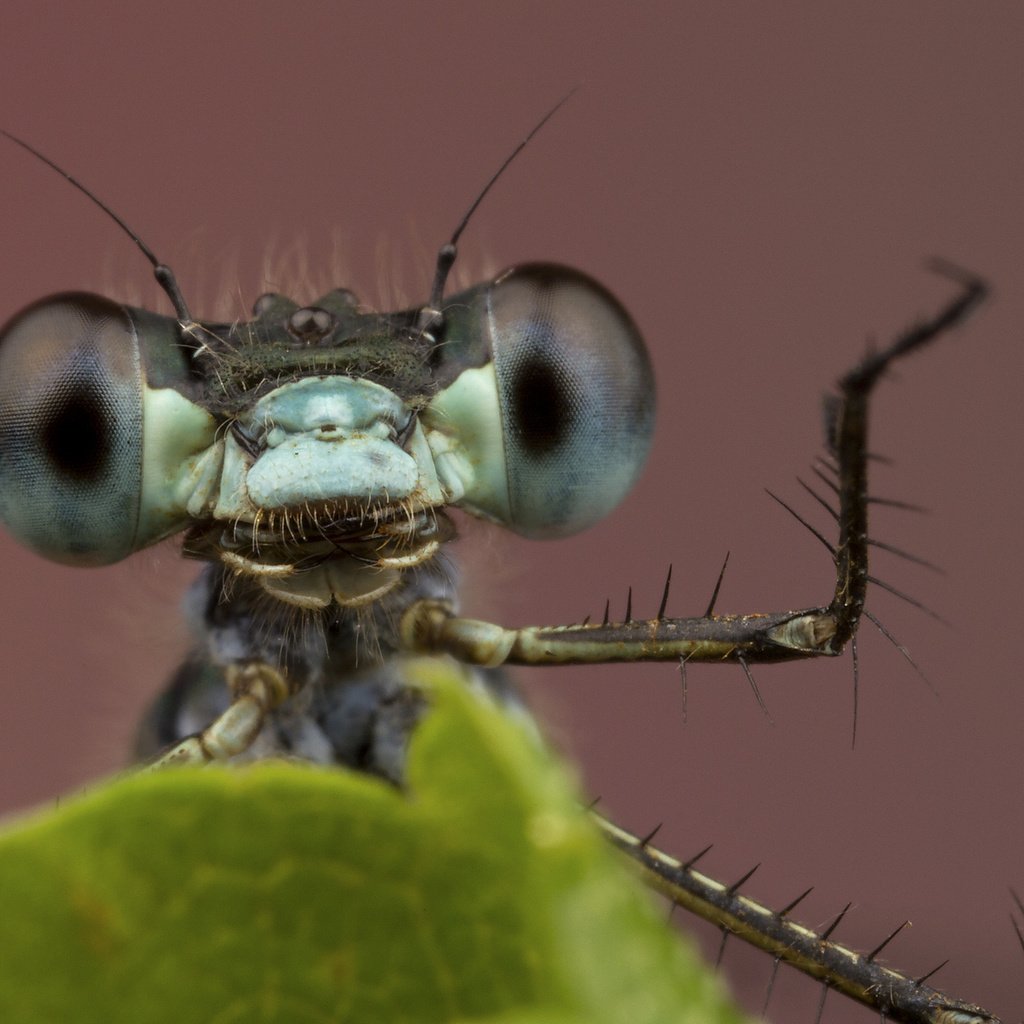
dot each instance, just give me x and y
(310, 456)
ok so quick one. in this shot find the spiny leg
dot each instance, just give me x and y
(430, 626)
(895, 996)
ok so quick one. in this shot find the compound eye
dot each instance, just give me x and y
(71, 429)
(576, 395)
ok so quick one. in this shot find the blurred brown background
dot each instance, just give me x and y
(760, 185)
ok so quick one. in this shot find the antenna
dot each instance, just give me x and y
(163, 274)
(431, 313)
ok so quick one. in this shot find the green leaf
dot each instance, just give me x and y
(282, 892)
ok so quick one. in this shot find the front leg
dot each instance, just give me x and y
(431, 626)
(256, 689)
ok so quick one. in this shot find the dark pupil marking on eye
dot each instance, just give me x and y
(542, 406)
(75, 433)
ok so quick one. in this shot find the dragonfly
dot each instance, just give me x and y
(310, 457)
